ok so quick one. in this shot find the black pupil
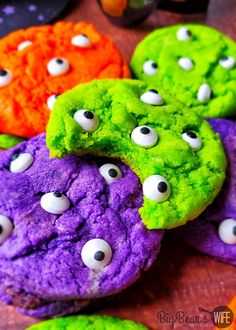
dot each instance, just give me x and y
(56, 96)
(189, 33)
(154, 65)
(145, 130)
(153, 91)
(234, 230)
(112, 172)
(192, 135)
(162, 187)
(3, 73)
(225, 58)
(84, 35)
(88, 115)
(1, 229)
(15, 156)
(57, 194)
(59, 61)
(99, 255)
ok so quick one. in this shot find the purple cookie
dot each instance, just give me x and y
(214, 232)
(70, 230)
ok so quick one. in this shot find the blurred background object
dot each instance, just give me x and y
(127, 12)
(184, 6)
(24, 13)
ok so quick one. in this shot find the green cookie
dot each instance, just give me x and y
(175, 153)
(9, 141)
(83, 322)
(195, 63)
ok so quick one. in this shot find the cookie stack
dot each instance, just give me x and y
(196, 64)
(83, 209)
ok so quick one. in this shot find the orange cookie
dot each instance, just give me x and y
(226, 317)
(38, 64)
(232, 306)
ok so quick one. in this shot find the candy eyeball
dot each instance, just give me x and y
(144, 136)
(58, 66)
(156, 188)
(150, 68)
(96, 253)
(21, 162)
(87, 120)
(152, 97)
(204, 93)
(184, 34)
(6, 228)
(110, 173)
(185, 63)
(192, 139)
(227, 231)
(81, 40)
(227, 62)
(5, 77)
(55, 203)
(24, 44)
(51, 100)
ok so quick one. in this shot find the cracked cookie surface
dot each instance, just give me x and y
(40, 63)
(175, 153)
(195, 63)
(70, 230)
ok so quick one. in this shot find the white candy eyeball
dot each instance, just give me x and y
(184, 34)
(156, 188)
(227, 62)
(58, 66)
(150, 68)
(144, 136)
(87, 120)
(81, 40)
(51, 100)
(192, 139)
(5, 77)
(24, 44)
(96, 253)
(6, 228)
(152, 97)
(110, 172)
(55, 203)
(204, 93)
(21, 162)
(185, 63)
(227, 231)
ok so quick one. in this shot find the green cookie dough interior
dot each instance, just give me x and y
(83, 322)
(195, 177)
(205, 48)
(9, 141)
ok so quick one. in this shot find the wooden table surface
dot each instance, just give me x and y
(181, 279)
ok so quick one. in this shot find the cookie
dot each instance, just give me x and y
(40, 63)
(232, 306)
(70, 230)
(214, 232)
(85, 322)
(177, 156)
(195, 63)
(9, 141)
